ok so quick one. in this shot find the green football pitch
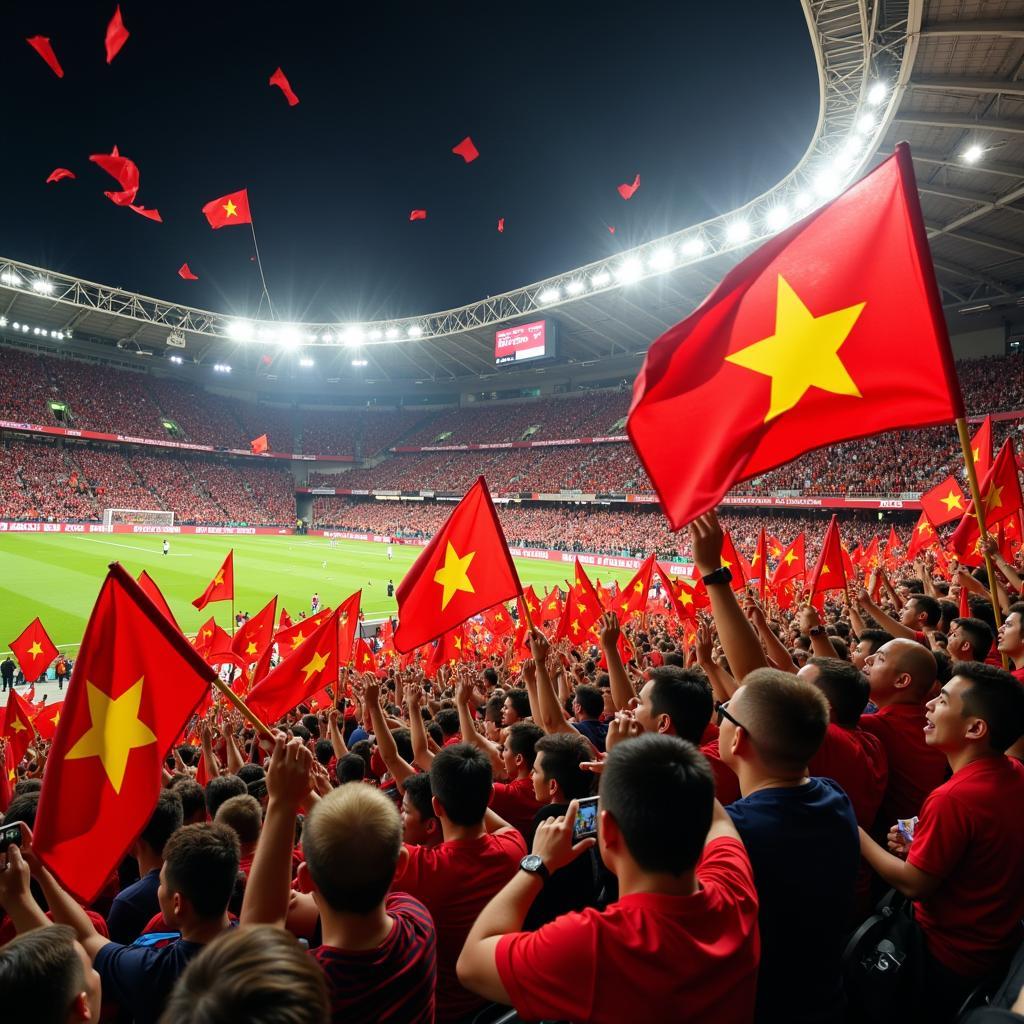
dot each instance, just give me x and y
(57, 576)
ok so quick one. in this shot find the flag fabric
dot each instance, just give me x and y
(633, 599)
(734, 562)
(923, 537)
(284, 620)
(260, 444)
(211, 638)
(465, 569)
(451, 648)
(893, 542)
(793, 350)
(363, 657)
(944, 502)
(290, 637)
(498, 620)
(117, 35)
(792, 563)
(964, 608)
(303, 673)
(222, 586)
(829, 572)
(1001, 497)
(532, 604)
(41, 44)
(34, 650)
(228, 210)
(59, 174)
(348, 625)
(47, 718)
(279, 79)
(551, 607)
(759, 563)
(682, 598)
(152, 591)
(256, 635)
(135, 685)
(185, 273)
(981, 448)
(8, 777)
(17, 730)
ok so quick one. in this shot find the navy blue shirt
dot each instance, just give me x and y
(134, 907)
(805, 850)
(594, 730)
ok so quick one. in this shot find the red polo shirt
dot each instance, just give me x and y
(971, 835)
(648, 958)
(856, 760)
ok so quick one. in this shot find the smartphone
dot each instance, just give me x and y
(10, 835)
(585, 825)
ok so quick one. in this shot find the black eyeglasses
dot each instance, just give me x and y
(721, 710)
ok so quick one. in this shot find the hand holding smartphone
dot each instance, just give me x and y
(585, 825)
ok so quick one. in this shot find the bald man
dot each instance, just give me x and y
(901, 675)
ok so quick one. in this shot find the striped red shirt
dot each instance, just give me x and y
(392, 984)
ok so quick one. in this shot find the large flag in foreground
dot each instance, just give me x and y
(831, 330)
(134, 685)
(464, 570)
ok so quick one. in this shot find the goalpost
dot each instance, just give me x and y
(137, 517)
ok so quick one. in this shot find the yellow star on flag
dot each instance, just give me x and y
(976, 452)
(18, 725)
(114, 732)
(36, 649)
(924, 528)
(230, 210)
(755, 559)
(219, 578)
(316, 664)
(251, 648)
(56, 719)
(297, 639)
(453, 575)
(994, 498)
(684, 597)
(952, 500)
(790, 557)
(802, 353)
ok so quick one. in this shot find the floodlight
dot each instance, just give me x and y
(41, 286)
(289, 336)
(738, 231)
(352, 336)
(827, 183)
(415, 331)
(359, 362)
(865, 123)
(392, 333)
(3, 321)
(973, 153)
(662, 259)
(241, 330)
(600, 279)
(692, 247)
(629, 270)
(550, 295)
(877, 93)
(306, 362)
(803, 200)
(11, 278)
(575, 286)
(777, 217)
(327, 337)
(375, 335)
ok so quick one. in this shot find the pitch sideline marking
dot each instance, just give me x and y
(136, 547)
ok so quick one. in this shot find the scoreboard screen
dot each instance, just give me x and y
(525, 342)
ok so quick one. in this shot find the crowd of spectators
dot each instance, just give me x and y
(360, 433)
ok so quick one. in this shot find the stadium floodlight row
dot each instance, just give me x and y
(862, 65)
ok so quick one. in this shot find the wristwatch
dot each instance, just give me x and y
(533, 865)
(720, 575)
(816, 630)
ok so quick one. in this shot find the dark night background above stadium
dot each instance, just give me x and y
(564, 100)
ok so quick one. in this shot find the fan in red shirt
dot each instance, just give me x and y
(680, 943)
(1011, 639)
(901, 674)
(515, 800)
(962, 864)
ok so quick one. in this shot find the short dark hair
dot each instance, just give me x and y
(187, 753)
(590, 700)
(997, 698)
(563, 754)
(846, 689)
(244, 815)
(684, 694)
(435, 732)
(40, 974)
(324, 751)
(230, 980)
(840, 646)
(660, 790)
(250, 773)
(785, 716)
(491, 676)
(23, 808)
(191, 795)
(928, 605)
(201, 862)
(166, 819)
(403, 741)
(222, 788)
(420, 794)
(522, 740)
(312, 723)
(520, 701)
(350, 768)
(461, 780)
(448, 720)
(28, 786)
(978, 634)
(875, 637)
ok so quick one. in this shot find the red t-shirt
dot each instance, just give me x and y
(392, 984)
(7, 931)
(516, 802)
(648, 958)
(914, 768)
(710, 734)
(455, 881)
(1018, 673)
(971, 835)
(727, 785)
(857, 761)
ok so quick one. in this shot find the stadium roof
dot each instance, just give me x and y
(941, 73)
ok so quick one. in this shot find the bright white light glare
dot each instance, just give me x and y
(269, 334)
(327, 337)
(353, 336)
(176, 359)
(777, 217)
(973, 153)
(803, 200)
(3, 321)
(59, 335)
(359, 362)
(865, 123)
(600, 279)
(35, 330)
(877, 93)
(575, 286)
(737, 231)
(306, 362)
(375, 335)
(24, 328)
(241, 330)
(662, 259)
(550, 295)
(392, 333)
(693, 246)
(11, 278)
(221, 368)
(16, 325)
(289, 336)
(629, 270)
(41, 286)
(827, 183)
(415, 331)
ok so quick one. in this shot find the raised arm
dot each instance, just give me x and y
(337, 736)
(421, 754)
(886, 622)
(400, 768)
(622, 690)
(776, 650)
(463, 695)
(810, 625)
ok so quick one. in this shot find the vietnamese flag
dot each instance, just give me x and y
(734, 562)
(34, 650)
(829, 572)
(256, 635)
(634, 593)
(222, 586)
(797, 348)
(303, 673)
(17, 728)
(792, 564)
(135, 685)
(944, 502)
(981, 448)
(47, 718)
(759, 563)
(211, 639)
(348, 625)
(8, 777)
(260, 444)
(680, 597)
(284, 620)
(923, 536)
(451, 648)
(1001, 496)
(230, 209)
(532, 605)
(464, 570)
(152, 591)
(364, 659)
(588, 602)
(551, 607)
(894, 541)
(498, 621)
(290, 637)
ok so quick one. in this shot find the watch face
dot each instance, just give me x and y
(531, 862)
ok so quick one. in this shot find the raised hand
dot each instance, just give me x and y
(610, 631)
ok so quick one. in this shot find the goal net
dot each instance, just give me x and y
(137, 517)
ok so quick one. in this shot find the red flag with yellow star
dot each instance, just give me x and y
(633, 598)
(8, 777)
(465, 569)
(135, 684)
(1001, 497)
(230, 209)
(257, 634)
(792, 564)
(532, 603)
(363, 658)
(288, 638)
(924, 536)
(210, 637)
(551, 606)
(981, 448)
(222, 586)
(34, 650)
(348, 624)
(46, 719)
(794, 349)
(829, 572)
(303, 673)
(944, 502)
(451, 648)
(759, 563)
(684, 598)
(152, 591)
(17, 730)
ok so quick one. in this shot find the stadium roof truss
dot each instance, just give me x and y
(944, 74)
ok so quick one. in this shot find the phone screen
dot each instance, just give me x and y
(10, 834)
(585, 824)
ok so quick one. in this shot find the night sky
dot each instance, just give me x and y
(709, 102)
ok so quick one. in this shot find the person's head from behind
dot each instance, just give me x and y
(323, 752)
(244, 816)
(656, 799)
(461, 781)
(350, 768)
(448, 720)
(520, 749)
(222, 788)
(773, 724)
(845, 687)
(46, 977)
(167, 817)
(900, 672)
(981, 709)
(676, 701)
(198, 876)
(588, 702)
(260, 975)
(557, 775)
(420, 825)
(969, 639)
(352, 841)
